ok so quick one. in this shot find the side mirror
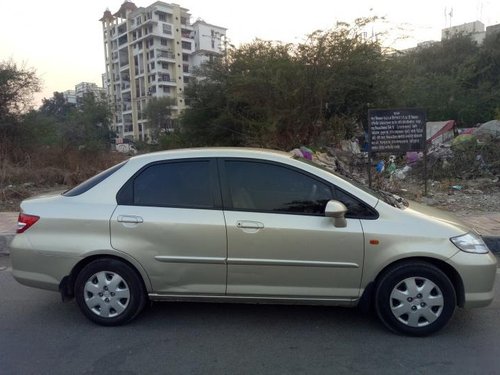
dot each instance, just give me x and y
(336, 210)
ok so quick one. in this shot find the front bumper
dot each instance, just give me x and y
(478, 273)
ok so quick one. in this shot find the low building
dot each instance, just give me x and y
(493, 29)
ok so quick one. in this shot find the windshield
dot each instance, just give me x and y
(385, 196)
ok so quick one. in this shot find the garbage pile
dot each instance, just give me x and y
(462, 169)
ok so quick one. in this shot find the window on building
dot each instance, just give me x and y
(151, 54)
(152, 65)
(185, 57)
(162, 17)
(163, 41)
(122, 40)
(138, 20)
(166, 89)
(167, 29)
(186, 45)
(213, 43)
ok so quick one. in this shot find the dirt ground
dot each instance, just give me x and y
(472, 197)
(12, 196)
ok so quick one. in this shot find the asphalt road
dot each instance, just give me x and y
(41, 335)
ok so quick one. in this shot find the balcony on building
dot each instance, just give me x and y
(165, 55)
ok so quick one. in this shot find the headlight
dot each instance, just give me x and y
(471, 243)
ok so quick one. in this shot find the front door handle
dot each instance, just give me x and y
(247, 224)
(131, 219)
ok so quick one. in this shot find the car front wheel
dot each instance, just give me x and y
(415, 298)
(109, 292)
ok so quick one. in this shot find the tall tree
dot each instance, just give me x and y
(89, 124)
(57, 106)
(453, 79)
(282, 95)
(17, 86)
(159, 115)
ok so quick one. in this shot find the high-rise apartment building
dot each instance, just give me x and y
(81, 89)
(150, 52)
(84, 88)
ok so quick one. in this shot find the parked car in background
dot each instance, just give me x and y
(235, 225)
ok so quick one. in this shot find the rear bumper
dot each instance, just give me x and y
(478, 273)
(38, 269)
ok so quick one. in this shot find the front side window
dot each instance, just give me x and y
(172, 184)
(355, 208)
(258, 186)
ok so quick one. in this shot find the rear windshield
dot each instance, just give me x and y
(93, 181)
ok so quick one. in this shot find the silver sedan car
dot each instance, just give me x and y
(245, 225)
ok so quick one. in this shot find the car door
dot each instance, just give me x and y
(280, 244)
(169, 218)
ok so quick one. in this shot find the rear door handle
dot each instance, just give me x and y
(132, 219)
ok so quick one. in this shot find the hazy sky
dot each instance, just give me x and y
(62, 39)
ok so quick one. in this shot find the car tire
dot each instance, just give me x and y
(109, 292)
(415, 298)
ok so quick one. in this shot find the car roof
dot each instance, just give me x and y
(244, 152)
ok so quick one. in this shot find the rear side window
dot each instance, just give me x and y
(173, 184)
(93, 181)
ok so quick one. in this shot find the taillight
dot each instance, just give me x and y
(24, 222)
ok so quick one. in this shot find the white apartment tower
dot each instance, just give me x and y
(150, 52)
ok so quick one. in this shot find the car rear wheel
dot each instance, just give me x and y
(109, 292)
(415, 298)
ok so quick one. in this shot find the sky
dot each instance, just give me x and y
(62, 39)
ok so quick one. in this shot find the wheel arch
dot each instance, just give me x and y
(67, 284)
(367, 298)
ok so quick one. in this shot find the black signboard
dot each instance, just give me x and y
(396, 130)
